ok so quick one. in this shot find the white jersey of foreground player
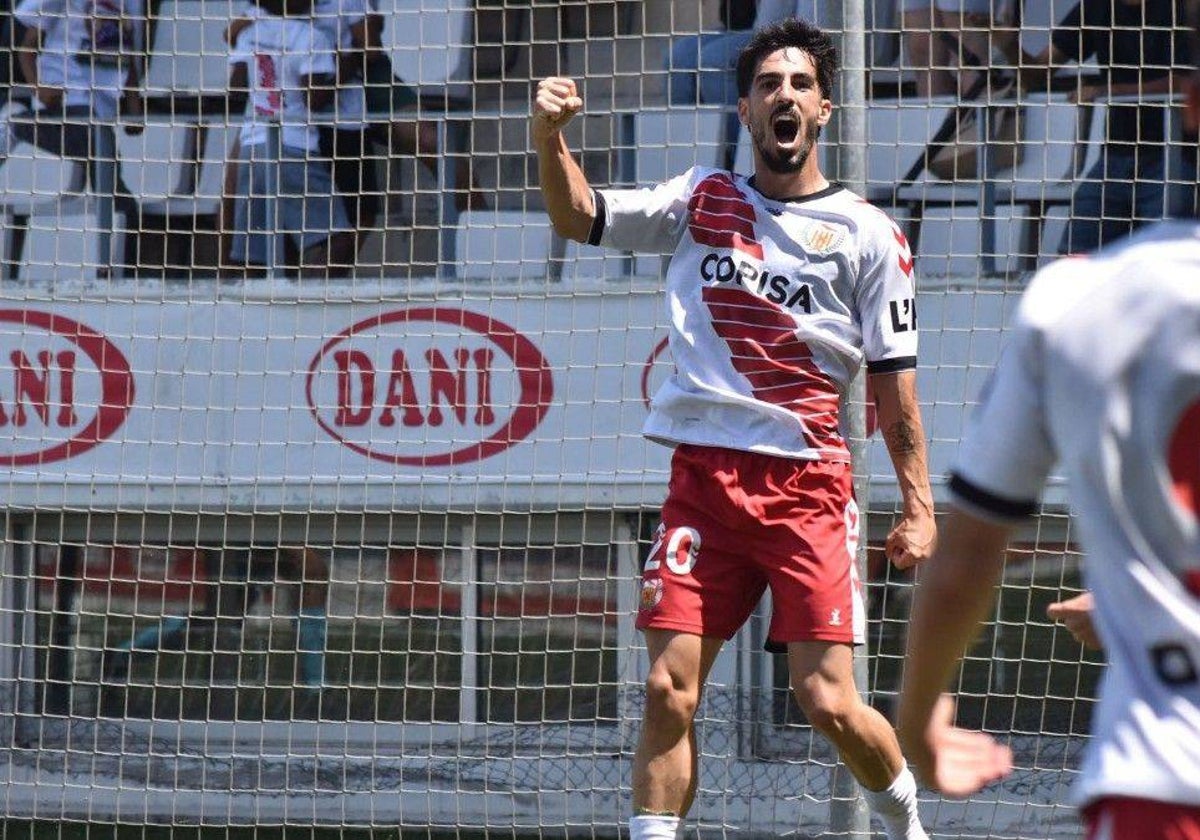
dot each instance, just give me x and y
(1102, 375)
(773, 307)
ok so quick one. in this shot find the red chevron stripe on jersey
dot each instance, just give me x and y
(779, 366)
(720, 216)
(1183, 459)
(904, 256)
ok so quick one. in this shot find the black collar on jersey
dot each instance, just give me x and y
(796, 199)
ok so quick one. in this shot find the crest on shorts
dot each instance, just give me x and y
(821, 238)
(652, 593)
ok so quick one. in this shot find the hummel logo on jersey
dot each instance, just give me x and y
(720, 216)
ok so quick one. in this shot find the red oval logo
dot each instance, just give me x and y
(380, 378)
(53, 376)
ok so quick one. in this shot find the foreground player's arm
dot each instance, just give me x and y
(912, 540)
(1076, 615)
(955, 594)
(565, 188)
(1004, 458)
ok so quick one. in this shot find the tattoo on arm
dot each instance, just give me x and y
(900, 438)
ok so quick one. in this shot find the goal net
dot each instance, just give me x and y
(326, 498)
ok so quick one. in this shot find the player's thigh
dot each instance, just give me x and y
(696, 580)
(1127, 818)
(807, 548)
(700, 576)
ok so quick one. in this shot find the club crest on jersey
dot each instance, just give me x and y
(652, 593)
(821, 238)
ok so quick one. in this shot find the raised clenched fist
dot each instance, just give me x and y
(557, 101)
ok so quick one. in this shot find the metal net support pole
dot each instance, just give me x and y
(846, 138)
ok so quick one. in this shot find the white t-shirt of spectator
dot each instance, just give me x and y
(336, 18)
(280, 52)
(773, 306)
(86, 47)
(1101, 374)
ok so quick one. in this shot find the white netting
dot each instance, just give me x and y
(359, 549)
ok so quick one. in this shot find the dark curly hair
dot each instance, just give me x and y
(791, 32)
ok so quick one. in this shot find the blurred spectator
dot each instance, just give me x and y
(84, 60)
(240, 575)
(944, 38)
(287, 65)
(1141, 49)
(700, 67)
(347, 138)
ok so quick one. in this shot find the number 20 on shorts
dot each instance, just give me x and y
(683, 548)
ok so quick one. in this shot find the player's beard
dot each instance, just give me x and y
(785, 161)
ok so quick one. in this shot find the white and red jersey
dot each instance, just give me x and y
(280, 54)
(773, 307)
(85, 49)
(1102, 376)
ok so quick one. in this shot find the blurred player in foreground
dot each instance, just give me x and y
(1101, 375)
(780, 286)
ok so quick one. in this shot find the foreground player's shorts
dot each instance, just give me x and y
(1122, 818)
(735, 523)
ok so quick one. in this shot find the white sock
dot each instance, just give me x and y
(897, 807)
(654, 827)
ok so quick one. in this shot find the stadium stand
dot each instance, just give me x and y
(174, 168)
(38, 191)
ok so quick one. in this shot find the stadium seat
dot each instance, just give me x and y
(505, 244)
(429, 43)
(59, 246)
(898, 131)
(670, 141)
(1038, 20)
(188, 55)
(1060, 140)
(580, 262)
(1054, 227)
(37, 191)
(154, 162)
(179, 212)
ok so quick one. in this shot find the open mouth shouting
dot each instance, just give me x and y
(785, 126)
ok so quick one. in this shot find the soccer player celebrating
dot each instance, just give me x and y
(779, 287)
(1101, 375)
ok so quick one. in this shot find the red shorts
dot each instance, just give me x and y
(735, 523)
(1124, 818)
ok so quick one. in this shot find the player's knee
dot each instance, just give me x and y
(826, 709)
(668, 699)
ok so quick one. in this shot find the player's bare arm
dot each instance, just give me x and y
(565, 188)
(955, 593)
(1076, 615)
(912, 540)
